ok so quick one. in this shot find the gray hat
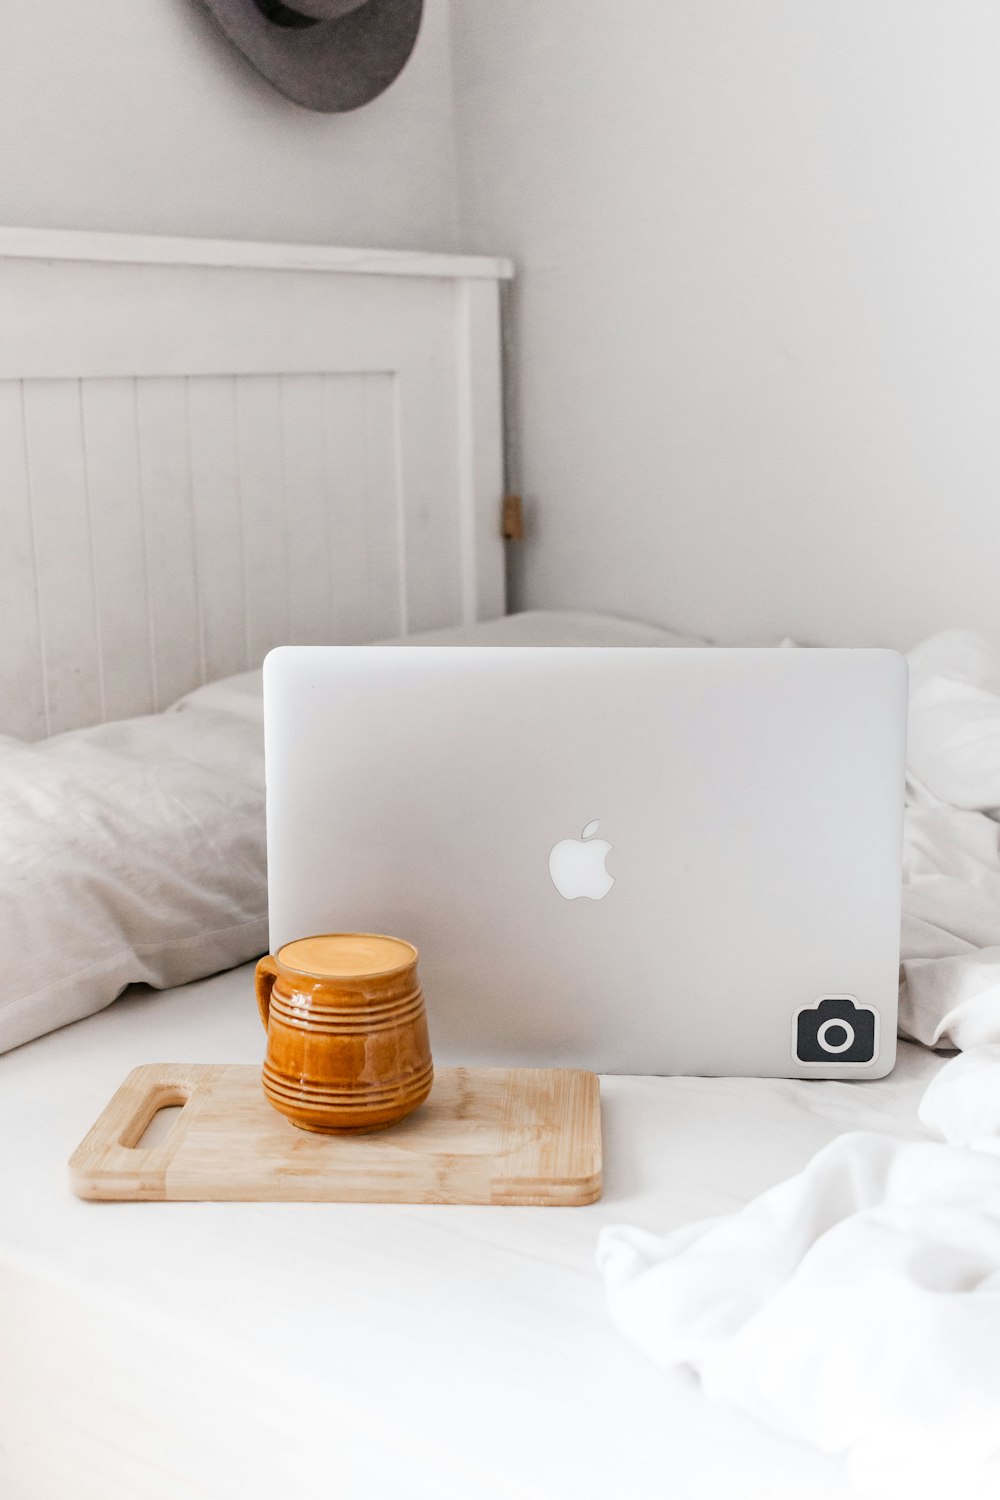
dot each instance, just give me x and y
(330, 55)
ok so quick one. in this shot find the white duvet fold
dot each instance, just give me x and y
(855, 1306)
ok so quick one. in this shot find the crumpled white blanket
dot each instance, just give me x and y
(857, 1305)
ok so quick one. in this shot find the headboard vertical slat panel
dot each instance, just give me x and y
(57, 482)
(218, 522)
(171, 564)
(111, 448)
(263, 505)
(224, 448)
(379, 515)
(22, 665)
(305, 462)
(345, 437)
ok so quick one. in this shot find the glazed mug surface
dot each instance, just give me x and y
(347, 1043)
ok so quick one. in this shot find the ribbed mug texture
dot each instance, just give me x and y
(344, 1053)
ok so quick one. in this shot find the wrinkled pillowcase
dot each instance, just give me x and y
(129, 852)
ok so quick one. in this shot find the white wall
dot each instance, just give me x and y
(137, 115)
(758, 315)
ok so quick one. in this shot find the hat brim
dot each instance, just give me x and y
(331, 66)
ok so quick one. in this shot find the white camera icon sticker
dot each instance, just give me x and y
(836, 1029)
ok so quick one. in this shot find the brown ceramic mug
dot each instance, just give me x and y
(347, 1044)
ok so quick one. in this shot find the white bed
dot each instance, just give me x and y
(206, 449)
(244, 1352)
(158, 1351)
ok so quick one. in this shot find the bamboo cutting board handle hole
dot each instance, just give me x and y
(154, 1119)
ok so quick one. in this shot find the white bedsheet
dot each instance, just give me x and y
(327, 1352)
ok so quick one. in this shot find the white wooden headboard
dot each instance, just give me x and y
(208, 448)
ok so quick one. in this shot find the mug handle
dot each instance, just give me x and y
(264, 976)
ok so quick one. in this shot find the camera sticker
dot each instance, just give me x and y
(835, 1030)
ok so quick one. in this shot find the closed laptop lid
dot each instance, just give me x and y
(660, 861)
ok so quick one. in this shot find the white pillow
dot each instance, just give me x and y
(132, 851)
(135, 851)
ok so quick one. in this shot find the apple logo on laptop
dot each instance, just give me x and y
(577, 866)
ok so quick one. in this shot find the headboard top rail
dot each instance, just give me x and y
(167, 250)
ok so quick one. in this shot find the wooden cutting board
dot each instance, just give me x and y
(485, 1135)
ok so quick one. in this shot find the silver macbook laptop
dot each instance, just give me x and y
(632, 860)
